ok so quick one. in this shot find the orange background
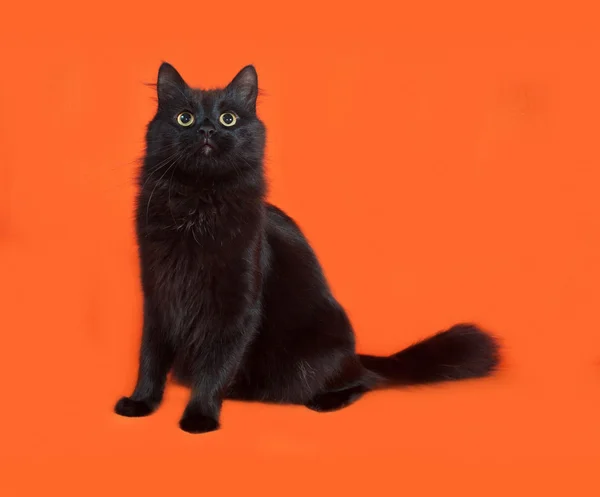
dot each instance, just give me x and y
(443, 159)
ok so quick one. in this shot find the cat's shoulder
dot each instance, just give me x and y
(279, 223)
(279, 215)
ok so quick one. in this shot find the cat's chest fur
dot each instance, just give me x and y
(209, 219)
(212, 219)
(197, 253)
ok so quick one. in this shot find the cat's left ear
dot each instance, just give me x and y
(245, 86)
(170, 84)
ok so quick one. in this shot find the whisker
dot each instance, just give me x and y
(159, 166)
(158, 182)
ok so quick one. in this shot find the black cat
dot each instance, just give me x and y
(235, 301)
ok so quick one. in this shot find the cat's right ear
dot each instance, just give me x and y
(170, 84)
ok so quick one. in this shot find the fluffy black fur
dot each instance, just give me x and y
(235, 301)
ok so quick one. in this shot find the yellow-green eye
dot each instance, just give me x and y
(228, 119)
(185, 119)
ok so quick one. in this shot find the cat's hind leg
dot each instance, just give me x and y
(334, 400)
(351, 384)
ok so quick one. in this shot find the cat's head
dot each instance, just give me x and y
(206, 131)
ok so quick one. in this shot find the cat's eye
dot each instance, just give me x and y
(228, 119)
(185, 119)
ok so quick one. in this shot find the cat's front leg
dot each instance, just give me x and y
(216, 366)
(156, 359)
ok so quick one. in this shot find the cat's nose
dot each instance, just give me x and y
(207, 130)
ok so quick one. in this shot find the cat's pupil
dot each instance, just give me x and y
(185, 118)
(228, 118)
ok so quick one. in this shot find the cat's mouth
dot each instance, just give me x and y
(208, 147)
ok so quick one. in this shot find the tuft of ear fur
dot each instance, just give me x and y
(170, 84)
(245, 86)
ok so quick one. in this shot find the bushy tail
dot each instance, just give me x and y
(463, 351)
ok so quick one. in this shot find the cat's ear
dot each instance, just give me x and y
(245, 86)
(170, 84)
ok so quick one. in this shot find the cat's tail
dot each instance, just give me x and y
(464, 351)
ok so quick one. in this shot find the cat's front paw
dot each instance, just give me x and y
(197, 423)
(133, 408)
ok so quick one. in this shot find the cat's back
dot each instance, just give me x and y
(292, 258)
(280, 226)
